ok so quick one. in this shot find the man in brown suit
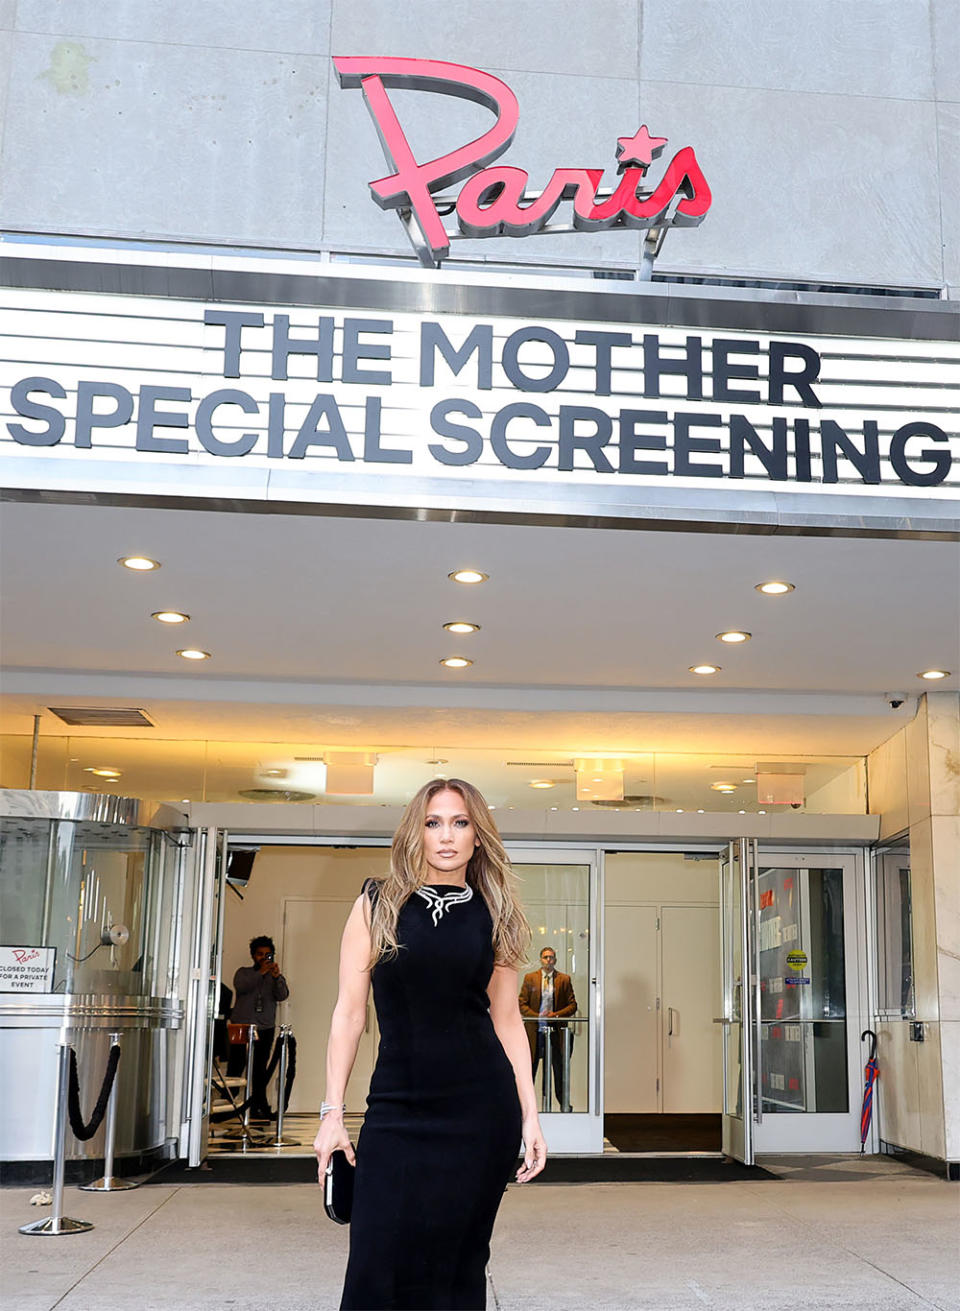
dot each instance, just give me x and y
(548, 995)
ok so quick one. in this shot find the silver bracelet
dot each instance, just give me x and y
(326, 1107)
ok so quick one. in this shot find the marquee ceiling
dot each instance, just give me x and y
(328, 631)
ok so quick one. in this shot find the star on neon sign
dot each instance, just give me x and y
(641, 149)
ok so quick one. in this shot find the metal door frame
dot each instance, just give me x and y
(737, 1130)
(203, 989)
(578, 1132)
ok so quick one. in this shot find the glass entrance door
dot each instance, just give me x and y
(793, 1001)
(807, 927)
(557, 994)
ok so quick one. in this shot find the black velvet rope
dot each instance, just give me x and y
(81, 1130)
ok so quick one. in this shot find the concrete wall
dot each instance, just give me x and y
(829, 129)
(914, 786)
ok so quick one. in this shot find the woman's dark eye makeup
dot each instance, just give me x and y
(460, 822)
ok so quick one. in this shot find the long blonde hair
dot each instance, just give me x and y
(488, 873)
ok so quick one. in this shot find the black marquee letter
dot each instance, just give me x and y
(941, 460)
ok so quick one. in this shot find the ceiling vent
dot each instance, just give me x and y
(632, 801)
(275, 794)
(101, 717)
(542, 764)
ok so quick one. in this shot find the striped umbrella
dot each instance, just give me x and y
(870, 1072)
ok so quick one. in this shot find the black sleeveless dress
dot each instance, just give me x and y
(443, 1125)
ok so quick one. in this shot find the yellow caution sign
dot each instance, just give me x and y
(797, 961)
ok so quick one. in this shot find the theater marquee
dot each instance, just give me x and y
(361, 406)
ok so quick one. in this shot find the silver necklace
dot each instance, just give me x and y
(440, 904)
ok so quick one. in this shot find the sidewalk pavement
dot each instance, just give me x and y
(888, 1241)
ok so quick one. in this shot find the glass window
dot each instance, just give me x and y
(553, 986)
(104, 896)
(803, 1031)
(895, 932)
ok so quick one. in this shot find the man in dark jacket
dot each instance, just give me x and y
(259, 987)
(548, 995)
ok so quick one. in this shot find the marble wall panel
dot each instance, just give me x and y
(897, 1095)
(930, 1091)
(917, 764)
(943, 714)
(950, 1056)
(945, 838)
(923, 904)
(883, 48)
(296, 27)
(887, 784)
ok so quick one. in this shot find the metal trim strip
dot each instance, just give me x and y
(653, 304)
(794, 516)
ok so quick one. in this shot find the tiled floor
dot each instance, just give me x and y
(884, 1236)
(298, 1131)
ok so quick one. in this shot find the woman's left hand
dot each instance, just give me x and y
(534, 1150)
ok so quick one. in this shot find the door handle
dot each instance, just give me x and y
(670, 1014)
(721, 1020)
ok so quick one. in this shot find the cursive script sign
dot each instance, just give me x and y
(494, 201)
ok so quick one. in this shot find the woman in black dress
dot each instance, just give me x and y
(452, 1094)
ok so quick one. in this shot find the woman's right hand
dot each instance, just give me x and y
(331, 1137)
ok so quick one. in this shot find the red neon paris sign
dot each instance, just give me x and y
(493, 200)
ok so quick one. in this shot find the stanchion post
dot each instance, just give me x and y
(547, 1037)
(248, 1091)
(567, 1048)
(108, 1183)
(279, 1140)
(57, 1222)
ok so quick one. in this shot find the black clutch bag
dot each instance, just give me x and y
(338, 1188)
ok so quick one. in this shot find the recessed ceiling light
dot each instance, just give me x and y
(192, 653)
(542, 783)
(461, 626)
(139, 563)
(748, 780)
(103, 771)
(933, 674)
(437, 760)
(735, 635)
(724, 787)
(774, 588)
(705, 669)
(170, 617)
(456, 662)
(468, 576)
